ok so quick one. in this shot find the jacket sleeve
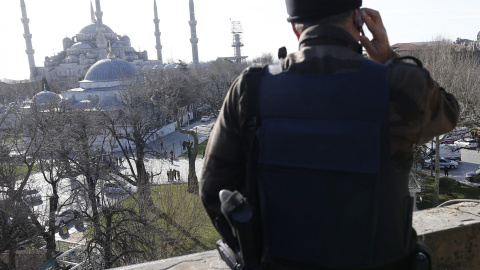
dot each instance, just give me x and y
(419, 108)
(225, 161)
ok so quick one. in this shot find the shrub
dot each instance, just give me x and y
(476, 179)
(447, 183)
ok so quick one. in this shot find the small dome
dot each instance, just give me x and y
(158, 67)
(92, 29)
(46, 97)
(170, 66)
(84, 104)
(67, 103)
(145, 68)
(81, 45)
(112, 69)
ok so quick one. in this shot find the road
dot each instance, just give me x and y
(470, 162)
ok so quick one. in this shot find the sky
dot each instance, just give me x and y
(265, 28)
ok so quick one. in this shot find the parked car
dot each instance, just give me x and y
(469, 175)
(66, 216)
(31, 196)
(466, 143)
(205, 118)
(443, 163)
(117, 188)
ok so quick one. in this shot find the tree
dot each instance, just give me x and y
(219, 76)
(134, 129)
(177, 90)
(18, 154)
(264, 59)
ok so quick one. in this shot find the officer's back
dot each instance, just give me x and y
(333, 144)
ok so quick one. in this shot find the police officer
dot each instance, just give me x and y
(333, 144)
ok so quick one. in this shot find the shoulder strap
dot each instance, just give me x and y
(249, 103)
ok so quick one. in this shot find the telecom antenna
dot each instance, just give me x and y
(237, 40)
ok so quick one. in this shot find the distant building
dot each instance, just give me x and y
(90, 45)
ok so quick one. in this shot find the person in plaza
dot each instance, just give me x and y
(322, 208)
(445, 169)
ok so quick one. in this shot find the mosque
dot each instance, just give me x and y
(92, 45)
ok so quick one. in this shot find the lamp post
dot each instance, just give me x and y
(173, 147)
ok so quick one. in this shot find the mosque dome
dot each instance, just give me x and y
(46, 97)
(81, 45)
(157, 67)
(112, 69)
(92, 29)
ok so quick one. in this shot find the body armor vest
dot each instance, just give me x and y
(330, 194)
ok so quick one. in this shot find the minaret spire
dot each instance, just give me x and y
(92, 13)
(157, 32)
(193, 31)
(28, 40)
(101, 41)
(99, 13)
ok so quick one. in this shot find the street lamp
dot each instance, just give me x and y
(173, 147)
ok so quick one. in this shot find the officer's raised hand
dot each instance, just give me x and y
(378, 48)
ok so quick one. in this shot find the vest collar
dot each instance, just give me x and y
(328, 35)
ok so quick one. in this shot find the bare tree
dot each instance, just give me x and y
(219, 76)
(176, 91)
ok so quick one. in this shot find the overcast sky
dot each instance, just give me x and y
(264, 26)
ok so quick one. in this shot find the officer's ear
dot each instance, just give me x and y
(295, 30)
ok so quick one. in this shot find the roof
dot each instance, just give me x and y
(92, 29)
(398, 47)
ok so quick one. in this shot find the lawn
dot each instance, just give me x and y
(201, 147)
(182, 225)
(450, 189)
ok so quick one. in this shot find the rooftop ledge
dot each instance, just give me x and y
(451, 232)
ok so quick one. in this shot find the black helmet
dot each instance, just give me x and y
(301, 10)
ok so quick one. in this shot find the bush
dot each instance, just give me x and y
(476, 179)
(447, 184)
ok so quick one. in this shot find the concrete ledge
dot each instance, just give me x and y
(452, 234)
(198, 261)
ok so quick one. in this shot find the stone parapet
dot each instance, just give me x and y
(452, 234)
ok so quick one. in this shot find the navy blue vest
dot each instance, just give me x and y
(330, 194)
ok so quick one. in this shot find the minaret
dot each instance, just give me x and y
(101, 40)
(92, 13)
(28, 41)
(193, 31)
(157, 32)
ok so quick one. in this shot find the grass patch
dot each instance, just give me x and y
(450, 189)
(201, 147)
(181, 223)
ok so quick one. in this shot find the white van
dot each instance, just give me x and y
(448, 151)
